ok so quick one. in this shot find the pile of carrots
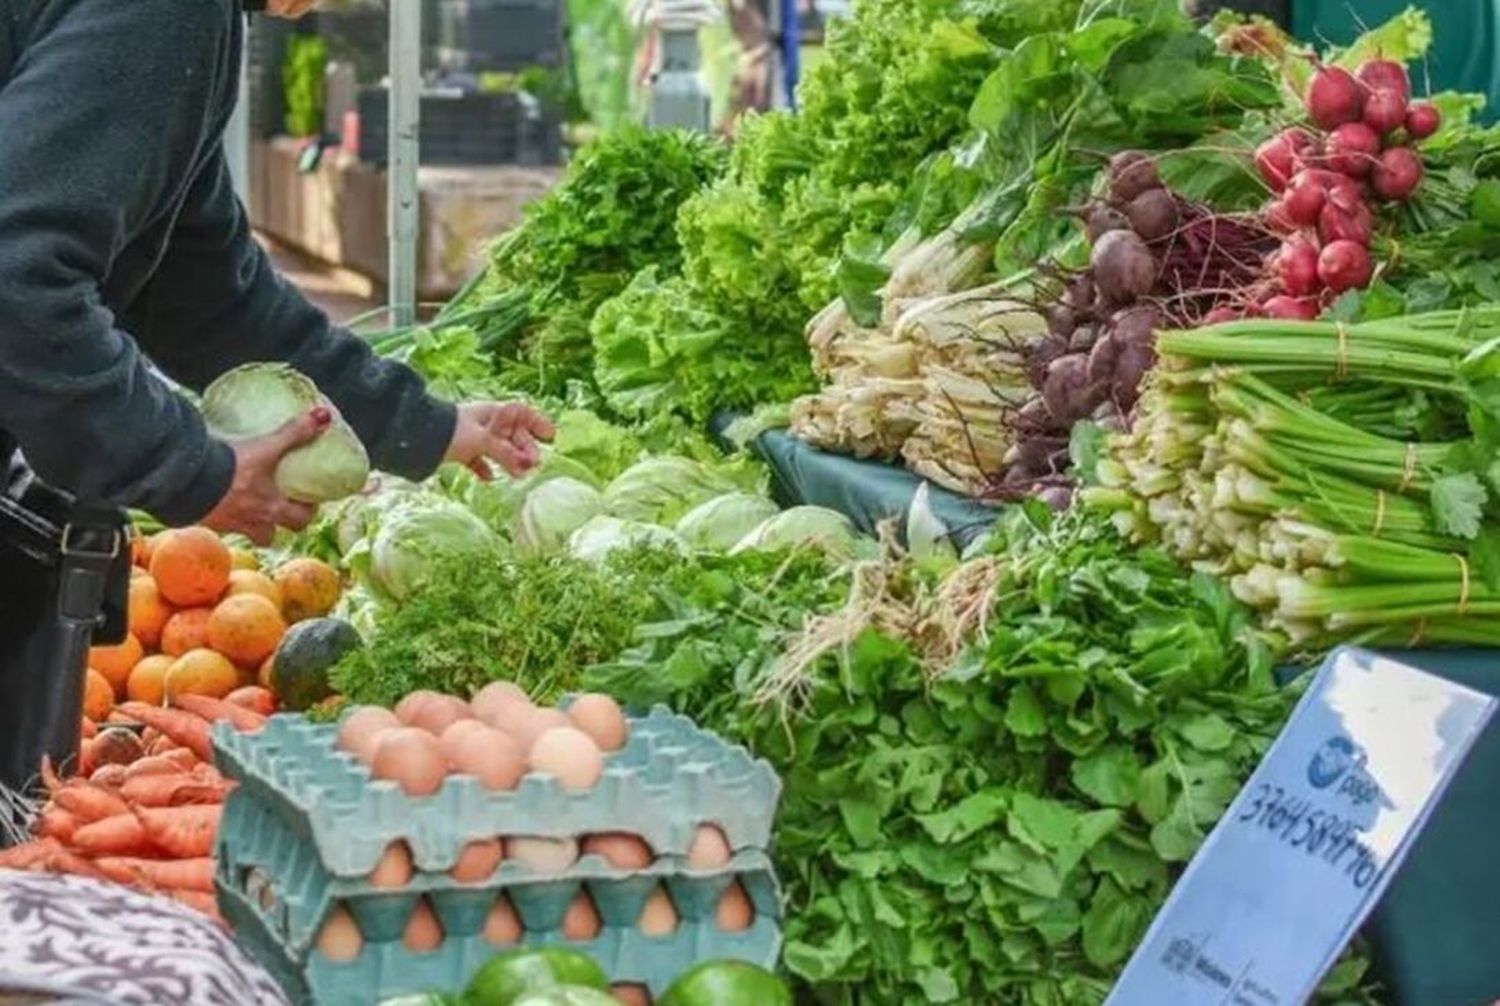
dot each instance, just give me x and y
(147, 821)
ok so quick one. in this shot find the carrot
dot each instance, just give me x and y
(50, 856)
(169, 763)
(173, 790)
(90, 803)
(89, 729)
(55, 822)
(121, 835)
(184, 832)
(163, 744)
(183, 727)
(160, 874)
(220, 711)
(108, 775)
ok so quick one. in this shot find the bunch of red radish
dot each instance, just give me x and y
(1359, 150)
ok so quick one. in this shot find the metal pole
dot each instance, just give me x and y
(404, 156)
(237, 133)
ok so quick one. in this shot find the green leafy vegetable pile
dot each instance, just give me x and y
(989, 776)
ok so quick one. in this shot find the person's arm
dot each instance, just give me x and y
(216, 302)
(102, 109)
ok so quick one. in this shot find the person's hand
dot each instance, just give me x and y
(254, 506)
(291, 9)
(508, 434)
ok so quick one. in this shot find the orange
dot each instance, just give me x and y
(246, 628)
(98, 696)
(267, 673)
(243, 558)
(116, 662)
(191, 566)
(309, 589)
(137, 548)
(148, 680)
(250, 581)
(186, 630)
(148, 612)
(201, 672)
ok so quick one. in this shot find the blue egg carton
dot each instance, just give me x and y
(386, 968)
(670, 778)
(262, 857)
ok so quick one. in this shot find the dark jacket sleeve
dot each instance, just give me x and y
(216, 302)
(91, 121)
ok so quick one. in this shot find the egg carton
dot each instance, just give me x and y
(279, 870)
(670, 778)
(385, 968)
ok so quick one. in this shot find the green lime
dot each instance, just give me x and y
(727, 983)
(505, 978)
(571, 995)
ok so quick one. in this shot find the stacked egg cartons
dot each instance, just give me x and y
(350, 889)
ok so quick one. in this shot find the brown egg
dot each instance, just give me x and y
(529, 724)
(734, 913)
(438, 714)
(411, 758)
(477, 861)
(545, 856)
(361, 728)
(620, 849)
(407, 708)
(600, 717)
(630, 994)
(581, 923)
(710, 849)
(489, 755)
(450, 739)
(502, 926)
(340, 939)
(424, 933)
(394, 869)
(659, 916)
(568, 754)
(492, 698)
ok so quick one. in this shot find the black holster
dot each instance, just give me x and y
(64, 586)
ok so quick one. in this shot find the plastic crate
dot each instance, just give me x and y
(500, 35)
(307, 825)
(466, 129)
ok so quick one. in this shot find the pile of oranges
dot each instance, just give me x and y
(204, 620)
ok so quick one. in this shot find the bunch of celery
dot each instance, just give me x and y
(1345, 477)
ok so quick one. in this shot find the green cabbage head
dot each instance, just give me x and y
(724, 521)
(259, 398)
(603, 536)
(817, 526)
(416, 533)
(552, 512)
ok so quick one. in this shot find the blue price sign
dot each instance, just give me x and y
(1303, 854)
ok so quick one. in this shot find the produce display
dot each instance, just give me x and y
(1210, 317)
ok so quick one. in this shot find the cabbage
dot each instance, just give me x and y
(260, 398)
(552, 512)
(601, 537)
(724, 521)
(826, 529)
(419, 531)
(659, 490)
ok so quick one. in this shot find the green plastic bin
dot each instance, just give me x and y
(1466, 44)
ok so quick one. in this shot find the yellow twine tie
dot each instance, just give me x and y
(1419, 633)
(1341, 368)
(1463, 593)
(1408, 468)
(1379, 512)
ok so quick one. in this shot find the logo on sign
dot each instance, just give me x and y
(1336, 758)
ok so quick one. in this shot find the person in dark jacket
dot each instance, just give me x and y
(122, 240)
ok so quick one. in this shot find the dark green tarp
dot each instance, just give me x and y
(1466, 44)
